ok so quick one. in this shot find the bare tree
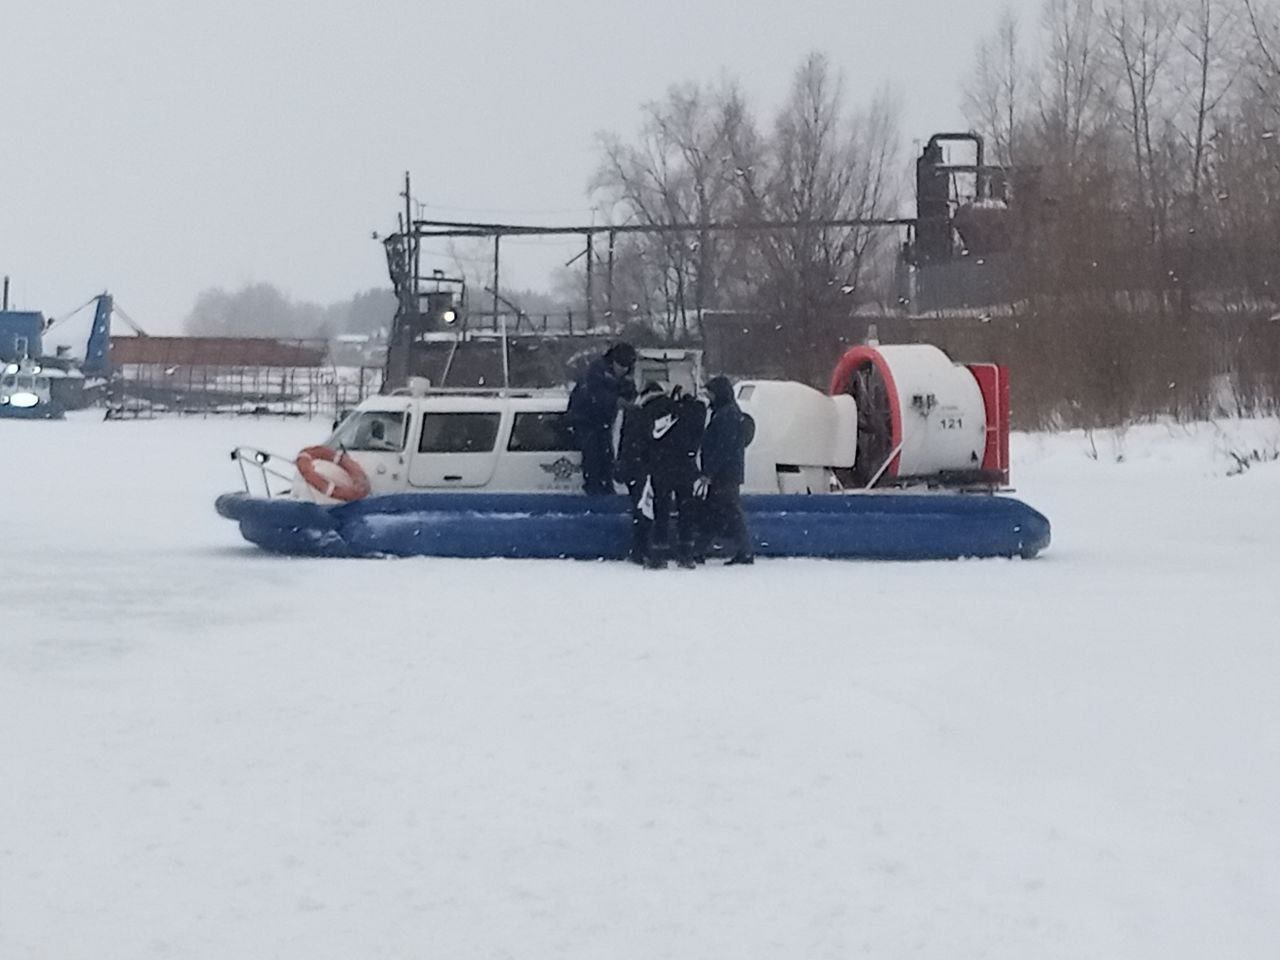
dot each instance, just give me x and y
(995, 91)
(820, 163)
(1265, 32)
(1209, 29)
(1072, 100)
(1243, 161)
(680, 171)
(700, 159)
(1142, 33)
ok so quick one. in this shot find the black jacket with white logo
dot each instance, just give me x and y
(660, 438)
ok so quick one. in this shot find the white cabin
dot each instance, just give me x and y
(497, 442)
(518, 442)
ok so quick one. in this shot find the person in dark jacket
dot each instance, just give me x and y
(678, 471)
(677, 424)
(634, 452)
(593, 407)
(657, 457)
(723, 465)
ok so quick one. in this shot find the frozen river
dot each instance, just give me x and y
(209, 752)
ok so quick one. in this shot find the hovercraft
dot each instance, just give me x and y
(907, 458)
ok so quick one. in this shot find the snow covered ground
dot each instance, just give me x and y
(208, 752)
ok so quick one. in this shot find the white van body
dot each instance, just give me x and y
(518, 441)
(500, 442)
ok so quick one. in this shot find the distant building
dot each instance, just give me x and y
(21, 334)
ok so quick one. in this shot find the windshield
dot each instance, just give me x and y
(370, 430)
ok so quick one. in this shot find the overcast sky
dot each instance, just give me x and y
(158, 147)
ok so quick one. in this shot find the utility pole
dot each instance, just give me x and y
(411, 236)
(399, 248)
(613, 236)
(591, 259)
(497, 248)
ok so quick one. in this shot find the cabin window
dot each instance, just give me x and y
(42, 383)
(26, 383)
(458, 432)
(540, 433)
(8, 381)
(371, 430)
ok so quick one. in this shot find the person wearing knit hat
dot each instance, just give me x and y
(593, 408)
(723, 469)
(634, 466)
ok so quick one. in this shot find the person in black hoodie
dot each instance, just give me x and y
(593, 407)
(657, 458)
(633, 467)
(677, 435)
(723, 463)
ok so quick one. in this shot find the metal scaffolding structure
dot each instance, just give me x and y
(423, 311)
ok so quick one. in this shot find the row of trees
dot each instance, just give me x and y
(1153, 127)
(1149, 253)
(701, 157)
(263, 310)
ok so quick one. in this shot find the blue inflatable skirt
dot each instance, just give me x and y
(871, 526)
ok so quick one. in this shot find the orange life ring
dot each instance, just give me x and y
(354, 487)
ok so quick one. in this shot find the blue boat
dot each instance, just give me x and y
(868, 526)
(905, 459)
